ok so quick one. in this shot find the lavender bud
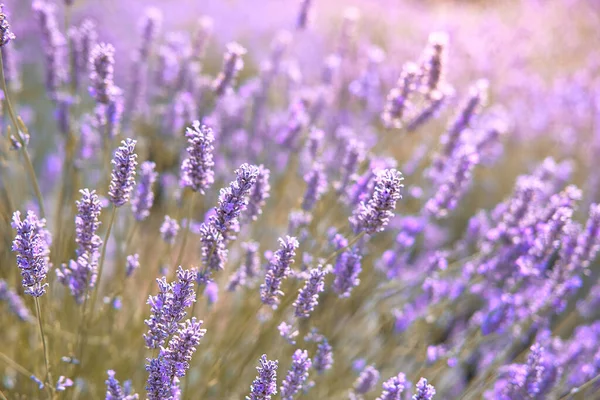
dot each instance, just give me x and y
(424, 391)
(6, 34)
(183, 345)
(63, 383)
(232, 64)
(297, 375)
(278, 269)
(435, 59)
(102, 70)
(144, 195)
(393, 388)
(353, 157)
(114, 391)
(367, 380)
(308, 296)
(15, 304)
(346, 271)
(323, 359)
(398, 98)
(259, 194)
(169, 230)
(149, 26)
(265, 384)
(373, 216)
(316, 186)
(32, 247)
(304, 14)
(87, 31)
(53, 43)
(214, 252)
(123, 174)
(201, 37)
(197, 170)
(133, 263)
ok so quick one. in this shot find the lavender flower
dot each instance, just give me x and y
(367, 380)
(14, 302)
(53, 43)
(308, 296)
(102, 73)
(168, 307)
(169, 230)
(354, 155)
(265, 384)
(158, 385)
(32, 247)
(398, 98)
(424, 390)
(232, 64)
(316, 186)
(182, 346)
(63, 383)
(277, 270)
(304, 14)
(114, 391)
(346, 271)
(214, 252)
(249, 270)
(393, 388)
(149, 26)
(323, 359)
(373, 216)
(123, 175)
(434, 61)
(297, 375)
(87, 32)
(197, 170)
(6, 34)
(144, 195)
(133, 263)
(259, 194)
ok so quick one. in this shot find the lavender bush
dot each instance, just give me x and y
(340, 207)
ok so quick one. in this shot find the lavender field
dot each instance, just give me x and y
(299, 199)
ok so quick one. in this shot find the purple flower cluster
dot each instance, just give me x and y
(123, 174)
(143, 198)
(197, 170)
(297, 375)
(264, 387)
(278, 269)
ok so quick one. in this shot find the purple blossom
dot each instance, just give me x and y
(123, 174)
(6, 34)
(53, 45)
(259, 194)
(353, 157)
(367, 380)
(434, 61)
(197, 170)
(102, 73)
(169, 230)
(316, 186)
(393, 388)
(323, 359)
(265, 384)
(158, 385)
(132, 264)
(14, 303)
(63, 383)
(346, 271)
(424, 390)
(212, 243)
(143, 197)
(232, 65)
(278, 269)
(373, 216)
(308, 296)
(114, 391)
(304, 14)
(31, 244)
(182, 346)
(297, 375)
(398, 98)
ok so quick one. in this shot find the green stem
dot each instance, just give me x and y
(47, 380)
(28, 164)
(18, 367)
(187, 229)
(581, 388)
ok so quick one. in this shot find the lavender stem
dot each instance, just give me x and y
(39, 318)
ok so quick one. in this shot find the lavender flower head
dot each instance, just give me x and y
(346, 271)
(144, 196)
(316, 186)
(169, 230)
(323, 359)
(32, 247)
(308, 296)
(14, 302)
(232, 64)
(114, 391)
(297, 375)
(102, 60)
(183, 345)
(279, 268)
(259, 194)
(6, 35)
(265, 384)
(197, 170)
(214, 251)
(132, 264)
(123, 175)
(424, 390)
(304, 14)
(367, 380)
(393, 388)
(373, 216)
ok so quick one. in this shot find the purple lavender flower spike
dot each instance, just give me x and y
(316, 186)
(183, 345)
(393, 388)
(133, 263)
(259, 194)
(114, 113)
(434, 61)
(102, 73)
(6, 34)
(197, 170)
(158, 385)
(249, 270)
(278, 269)
(150, 27)
(308, 296)
(144, 195)
(87, 31)
(53, 43)
(346, 271)
(398, 98)
(373, 216)
(169, 230)
(353, 157)
(367, 380)
(455, 184)
(424, 390)
(32, 247)
(304, 14)
(202, 37)
(123, 175)
(232, 64)
(214, 252)
(114, 391)
(297, 375)
(323, 359)
(265, 384)
(14, 302)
